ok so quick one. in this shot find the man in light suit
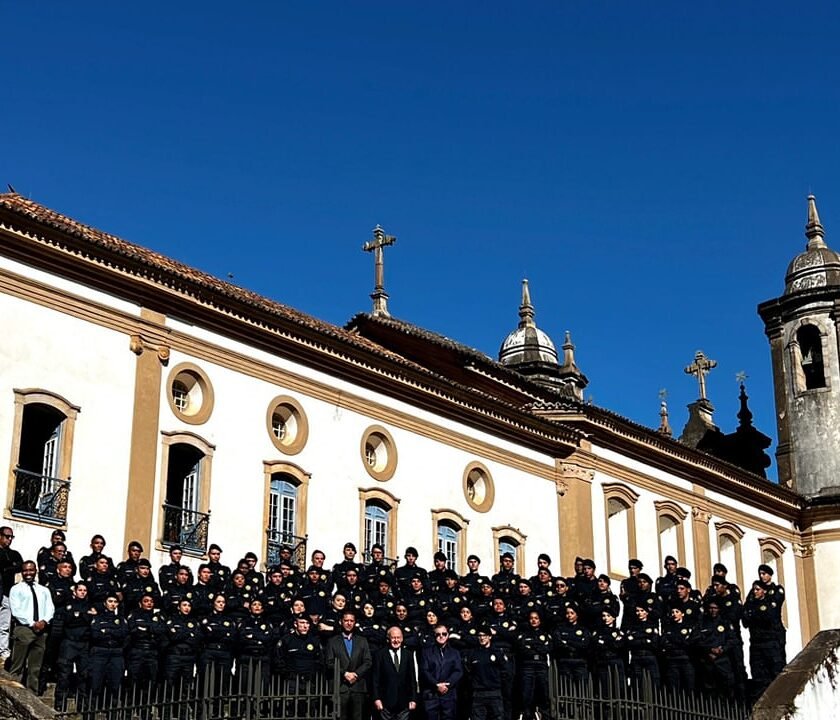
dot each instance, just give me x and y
(352, 654)
(394, 679)
(441, 669)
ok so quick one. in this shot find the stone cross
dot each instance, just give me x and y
(700, 368)
(379, 241)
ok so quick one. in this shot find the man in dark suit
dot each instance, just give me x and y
(441, 669)
(352, 653)
(394, 679)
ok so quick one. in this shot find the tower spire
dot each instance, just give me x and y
(526, 309)
(814, 230)
(664, 423)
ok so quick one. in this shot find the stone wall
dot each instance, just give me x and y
(809, 687)
(17, 703)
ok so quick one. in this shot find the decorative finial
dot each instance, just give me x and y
(379, 296)
(701, 367)
(526, 309)
(813, 229)
(741, 377)
(568, 351)
(664, 424)
(11, 189)
(745, 415)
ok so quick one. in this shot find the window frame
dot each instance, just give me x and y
(184, 437)
(503, 532)
(729, 530)
(40, 396)
(629, 497)
(300, 479)
(199, 377)
(294, 444)
(489, 488)
(386, 472)
(670, 509)
(458, 523)
(390, 504)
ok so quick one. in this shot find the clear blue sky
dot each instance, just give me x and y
(644, 164)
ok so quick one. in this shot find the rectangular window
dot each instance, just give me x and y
(376, 527)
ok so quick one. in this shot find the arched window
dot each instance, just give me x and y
(186, 460)
(42, 444)
(284, 519)
(729, 551)
(509, 539)
(450, 538)
(670, 518)
(811, 356)
(378, 510)
(620, 503)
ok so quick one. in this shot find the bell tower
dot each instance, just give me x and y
(803, 326)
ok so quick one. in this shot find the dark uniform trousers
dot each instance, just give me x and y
(106, 668)
(142, 664)
(534, 687)
(486, 705)
(72, 653)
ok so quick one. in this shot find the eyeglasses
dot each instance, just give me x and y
(8, 537)
(441, 634)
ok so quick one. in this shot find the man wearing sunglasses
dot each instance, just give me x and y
(11, 564)
(441, 669)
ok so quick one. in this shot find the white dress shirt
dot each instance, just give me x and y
(20, 601)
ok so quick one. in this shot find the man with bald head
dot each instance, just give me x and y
(394, 679)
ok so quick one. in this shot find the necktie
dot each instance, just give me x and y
(396, 660)
(35, 616)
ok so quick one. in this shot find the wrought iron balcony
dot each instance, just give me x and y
(277, 540)
(40, 497)
(185, 527)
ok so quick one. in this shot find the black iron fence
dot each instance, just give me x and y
(41, 497)
(611, 697)
(277, 540)
(252, 693)
(185, 527)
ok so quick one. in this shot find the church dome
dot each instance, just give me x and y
(527, 343)
(819, 265)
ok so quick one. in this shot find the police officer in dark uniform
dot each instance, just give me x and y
(571, 646)
(678, 641)
(102, 582)
(108, 635)
(473, 577)
(128, 567)
(683, 601)
(506, 581)
(376, 569)
(219, 636)
(644, 644)
(404, 573)
(666, 585)
(143, 583)
(219, 572)
(438, 574)
(609, 651)
(87, 563)
(182, 636)
(256, 645)
(714, 642)
(533, 650)
(71, 627)
(628, 591)
(763, 618)
(484, 665)
(203, 592)
(145, 638)
(167, 573)
(181, 589)
(340, 569)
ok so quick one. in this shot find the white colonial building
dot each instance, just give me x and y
(143, 399)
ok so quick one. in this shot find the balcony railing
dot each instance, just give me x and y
(185, 527)
(40, 497)
(277, 540)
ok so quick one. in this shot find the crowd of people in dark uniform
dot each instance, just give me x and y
(117, 625)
